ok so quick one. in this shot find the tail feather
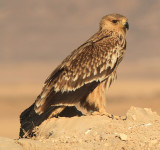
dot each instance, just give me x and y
(41, 99)
(29, 119)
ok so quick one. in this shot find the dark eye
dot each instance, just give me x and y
(114, 21)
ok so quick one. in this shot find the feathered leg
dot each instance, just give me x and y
(96, 101)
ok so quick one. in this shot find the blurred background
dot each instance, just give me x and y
(36, 35)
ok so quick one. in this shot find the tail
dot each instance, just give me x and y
(29, 119)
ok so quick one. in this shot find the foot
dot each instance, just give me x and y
(108, 115)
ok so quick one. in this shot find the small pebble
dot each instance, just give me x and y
(123, 136)
(87, 131)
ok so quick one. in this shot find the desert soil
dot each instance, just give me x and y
(141, 130)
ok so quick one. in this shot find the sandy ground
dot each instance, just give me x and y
(141, 130)
(15, 98)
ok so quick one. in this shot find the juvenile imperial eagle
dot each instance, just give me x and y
(85, 75)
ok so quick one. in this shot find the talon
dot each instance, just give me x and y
(123, 117)
(113, 117)
(116, 117)
(120, 117)
(108, 115)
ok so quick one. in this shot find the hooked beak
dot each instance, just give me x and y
(126, 25)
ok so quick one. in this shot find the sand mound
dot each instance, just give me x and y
(141, 130)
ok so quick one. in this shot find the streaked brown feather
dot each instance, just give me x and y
(94, 63)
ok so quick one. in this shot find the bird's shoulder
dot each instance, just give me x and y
(88, 62)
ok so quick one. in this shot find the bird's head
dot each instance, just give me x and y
(114, 22)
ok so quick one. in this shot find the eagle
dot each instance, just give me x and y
(84, 76)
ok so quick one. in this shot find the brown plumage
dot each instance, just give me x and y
(84, 76)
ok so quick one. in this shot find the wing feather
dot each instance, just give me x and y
(80, 72)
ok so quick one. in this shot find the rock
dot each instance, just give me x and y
(140, 114)
(89, 130)
(123, 136)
